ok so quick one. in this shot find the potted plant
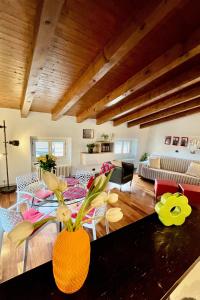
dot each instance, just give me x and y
(105, 136)
(90, 147)
(47, 162)
(144, 156)
(71, 251)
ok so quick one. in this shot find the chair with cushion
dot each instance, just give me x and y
(97, 214)
(93, 218)
(27, 183)
(29, 179)
(83, 176)
(123, 174)
(12, 216)
(29, 187)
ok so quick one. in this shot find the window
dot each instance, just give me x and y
(59, 147)
(56, 148)
(125, 146)
(41, 148)
(118, 147)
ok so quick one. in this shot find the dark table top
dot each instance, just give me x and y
(140, 261)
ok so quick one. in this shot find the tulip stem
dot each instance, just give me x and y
(59, 197)
(82, 212)
(70, 225)
(42, 222)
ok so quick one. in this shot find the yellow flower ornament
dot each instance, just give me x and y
(173, 209)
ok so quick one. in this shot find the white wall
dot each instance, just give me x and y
(41, 125)
(185, 127)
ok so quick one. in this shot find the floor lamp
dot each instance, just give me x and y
(7, 189)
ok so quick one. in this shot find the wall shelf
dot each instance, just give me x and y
(97, 152)
(104, 146)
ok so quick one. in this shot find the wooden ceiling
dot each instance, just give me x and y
(126, 61)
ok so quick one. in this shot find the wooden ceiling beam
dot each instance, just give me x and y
(112, 53)
(166, 112)
(181, 97)
(172, 117)
(49, 15)
(168, 61)
(168, 88)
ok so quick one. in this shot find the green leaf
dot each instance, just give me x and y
(83, 208)
(106, 181)
(42, 222)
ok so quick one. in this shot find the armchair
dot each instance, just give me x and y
(123, 174)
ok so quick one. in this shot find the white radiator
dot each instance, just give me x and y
(63, 170)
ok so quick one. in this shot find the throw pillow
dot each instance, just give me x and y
(154, 162)
(193, 169)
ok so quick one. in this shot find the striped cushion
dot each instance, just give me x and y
(174, 164)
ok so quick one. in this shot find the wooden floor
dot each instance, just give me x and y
(135, 204)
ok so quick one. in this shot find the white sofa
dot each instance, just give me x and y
(171, 168)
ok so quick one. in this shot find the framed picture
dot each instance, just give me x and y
(184, 141)
(168, 140)
(175, 140)
(88, 133)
